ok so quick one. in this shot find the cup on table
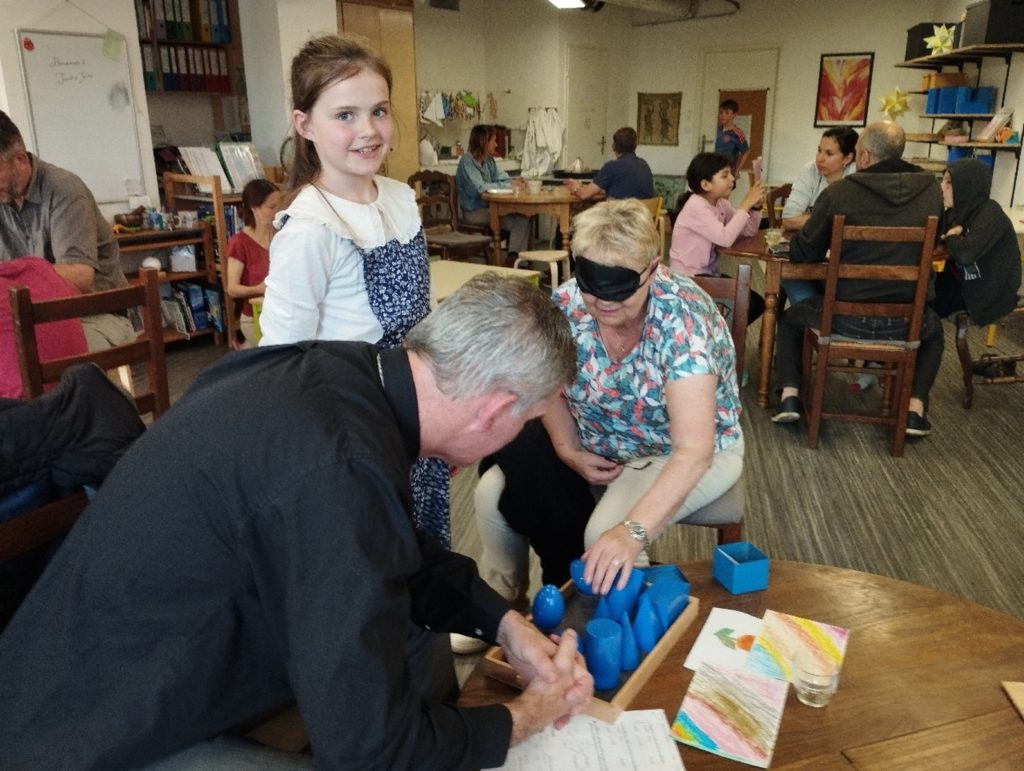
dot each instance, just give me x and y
(772, 237)
(533, 186)
(815, 678)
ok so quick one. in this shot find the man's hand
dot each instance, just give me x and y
(554, 699)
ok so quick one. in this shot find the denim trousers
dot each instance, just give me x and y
(790, 336)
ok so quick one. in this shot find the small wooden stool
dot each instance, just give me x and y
(967, 364)
(553, 257)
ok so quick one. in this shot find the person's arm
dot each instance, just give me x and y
(584, 192)
(795, 211)
(235, 286)
(691, 412)
(967, 244)
(561, 427)
(79, 274)
(472, 174)
(72, 237)
(705, 221)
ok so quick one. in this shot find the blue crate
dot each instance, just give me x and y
(932, 102)
(740, 567)
(956, 153)
(989, 159)
(975, 101)
(947, 99)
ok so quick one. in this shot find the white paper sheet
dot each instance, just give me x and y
(639, 741)
(726, 639)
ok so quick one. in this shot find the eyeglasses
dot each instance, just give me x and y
(638, 465)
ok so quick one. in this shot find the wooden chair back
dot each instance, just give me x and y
(897, 357)
(777, 198)
(732, 296)
(654, 207)
(148, 348)
(437, 200)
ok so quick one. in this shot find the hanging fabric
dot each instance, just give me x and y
(542, 146)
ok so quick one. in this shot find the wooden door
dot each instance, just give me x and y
(587, 118)
(750, 118)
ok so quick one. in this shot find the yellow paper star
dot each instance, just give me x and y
(941, 42)
(894, 104)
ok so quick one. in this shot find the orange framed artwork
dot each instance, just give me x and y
(844, 83)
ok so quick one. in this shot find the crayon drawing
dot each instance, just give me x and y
(732, 713)
(783, 635)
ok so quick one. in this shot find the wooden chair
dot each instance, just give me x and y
(967, 364)
(777, 198)
(825, 351)
(660, 217)
(148, 348)
(732, 296)
(437, 201)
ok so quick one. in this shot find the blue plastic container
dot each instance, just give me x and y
(988, 159)
(975, 101)
(956, 153)
(740, 567)
(932, 101)
(947, 100)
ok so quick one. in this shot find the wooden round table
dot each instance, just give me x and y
(920, 684)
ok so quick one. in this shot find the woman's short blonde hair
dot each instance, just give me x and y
(620, 233)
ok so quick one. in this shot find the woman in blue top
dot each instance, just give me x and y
(478, 173)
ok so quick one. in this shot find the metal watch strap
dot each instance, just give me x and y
(636, 531)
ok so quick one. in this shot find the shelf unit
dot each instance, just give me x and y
(975, 55)
(193, 56)
(182, 191)
(152, 240)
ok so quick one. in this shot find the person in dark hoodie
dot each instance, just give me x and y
(885, 191)
(982, 275)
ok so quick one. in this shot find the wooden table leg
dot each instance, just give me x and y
(563, 226)
(496, 234)
(772, 284)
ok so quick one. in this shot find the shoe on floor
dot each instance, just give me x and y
(788, 410)
(917, 425)
(987, 369)
(464, 645)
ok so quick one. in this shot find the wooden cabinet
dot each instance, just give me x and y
(181, 191)
(205, 268)
(975, 56)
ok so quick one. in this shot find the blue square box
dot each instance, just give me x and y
(975, 101)
(932, 102)
(956, 153)
(740, 567)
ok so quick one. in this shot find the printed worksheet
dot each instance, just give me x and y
(639, 741)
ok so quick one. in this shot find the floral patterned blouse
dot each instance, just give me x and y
(620, 408)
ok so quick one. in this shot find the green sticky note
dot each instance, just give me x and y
(113, 44)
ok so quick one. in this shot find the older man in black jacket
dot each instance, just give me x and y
(885, 191)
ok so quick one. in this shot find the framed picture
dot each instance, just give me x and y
(844, 84)
(657, 118)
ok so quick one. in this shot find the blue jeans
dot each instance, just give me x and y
(790, 337)
(798, 289)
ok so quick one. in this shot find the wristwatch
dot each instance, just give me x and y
(636, 531)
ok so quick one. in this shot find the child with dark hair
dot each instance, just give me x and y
(729, 138)
(249, 252)
(706, 220)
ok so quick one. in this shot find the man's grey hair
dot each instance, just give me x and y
(885, 141)
(497, 334)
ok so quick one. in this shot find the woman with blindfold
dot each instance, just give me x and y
(650, 427)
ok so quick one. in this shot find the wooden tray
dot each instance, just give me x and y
(606, 705)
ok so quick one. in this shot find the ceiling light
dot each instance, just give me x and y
(568, 3)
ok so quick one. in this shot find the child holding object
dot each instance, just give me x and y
(706, 220)
(349, 261)
(249, 252)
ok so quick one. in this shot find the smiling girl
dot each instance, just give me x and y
(349, 261)
(707, 220)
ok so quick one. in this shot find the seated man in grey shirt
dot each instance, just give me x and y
(46, 211)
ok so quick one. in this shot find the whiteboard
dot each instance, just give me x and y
(79, 92)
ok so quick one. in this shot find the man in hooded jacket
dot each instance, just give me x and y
(983, 273)
(889, 192)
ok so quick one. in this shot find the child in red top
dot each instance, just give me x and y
(249, 252)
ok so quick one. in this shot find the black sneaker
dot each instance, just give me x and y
(917, 425)
(788, 410)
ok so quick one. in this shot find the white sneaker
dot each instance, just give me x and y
(464, 645)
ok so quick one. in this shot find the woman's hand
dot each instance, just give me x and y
(754, 197)
(613, 553)
(595, 469)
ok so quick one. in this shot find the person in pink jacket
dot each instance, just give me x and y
(706, 220)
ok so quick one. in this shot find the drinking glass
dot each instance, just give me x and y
(815, 678)
(772, 237)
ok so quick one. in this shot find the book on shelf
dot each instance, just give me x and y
(193, 294)
(1000, 119)
(214, 308)
(172, 315)
(203, 162)
(241, 161)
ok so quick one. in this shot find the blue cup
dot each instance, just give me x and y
(604, 653)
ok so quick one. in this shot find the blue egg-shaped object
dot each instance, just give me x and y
(576, 568)
(548, 607)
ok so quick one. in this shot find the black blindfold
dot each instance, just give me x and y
(606, 282)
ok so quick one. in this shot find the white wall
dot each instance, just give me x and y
(91, 16)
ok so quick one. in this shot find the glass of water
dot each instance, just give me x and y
(815, 677)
